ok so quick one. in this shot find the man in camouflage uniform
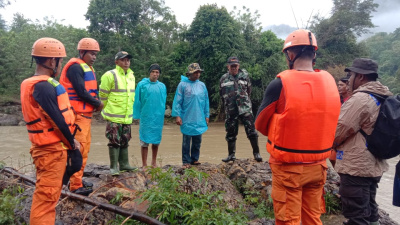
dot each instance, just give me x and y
(235, 90)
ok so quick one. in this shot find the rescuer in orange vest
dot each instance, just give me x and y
(79, 79)
(50, 121)
(299, 114)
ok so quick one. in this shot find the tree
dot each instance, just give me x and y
(384, 48)
(141, 27)
(337, 35)
(213, 36)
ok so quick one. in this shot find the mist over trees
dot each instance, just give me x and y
(149, 31)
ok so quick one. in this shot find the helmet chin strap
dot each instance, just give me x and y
(84, 53)
(54, 70)
(291, 62)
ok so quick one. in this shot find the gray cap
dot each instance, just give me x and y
(122, 54)
(363, 66)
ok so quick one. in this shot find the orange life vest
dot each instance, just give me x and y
(305, 130)
(90, 85)
(40, 130)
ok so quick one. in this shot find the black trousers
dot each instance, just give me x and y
(358, 199)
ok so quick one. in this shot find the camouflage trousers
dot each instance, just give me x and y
(232, 126)
(118, 135)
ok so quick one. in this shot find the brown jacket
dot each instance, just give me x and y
(360, 111)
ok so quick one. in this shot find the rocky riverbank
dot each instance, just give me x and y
(234, 180)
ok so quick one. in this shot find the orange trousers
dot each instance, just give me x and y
(50, 162)
(297, 193)
(84, 137)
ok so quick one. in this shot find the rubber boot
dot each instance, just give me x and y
(124, 160)
(114, 154)
(256, 149)
(232, 151)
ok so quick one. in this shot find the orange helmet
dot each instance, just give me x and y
(88, 44)
(48, 47)
(300, 37)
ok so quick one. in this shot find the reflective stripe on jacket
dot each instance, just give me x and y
(40, 130)
(117, 92)
(305, 130)
(90, 85)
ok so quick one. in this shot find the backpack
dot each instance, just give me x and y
(384, 141)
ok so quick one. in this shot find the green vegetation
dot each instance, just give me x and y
(332, 204)
(150, 32)
(172, 204)
(8, 203)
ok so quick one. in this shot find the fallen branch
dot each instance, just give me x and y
(109, 207)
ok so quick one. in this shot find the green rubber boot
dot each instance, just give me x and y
(114, 154)
(124, 160)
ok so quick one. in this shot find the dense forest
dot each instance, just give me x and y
(149, 31)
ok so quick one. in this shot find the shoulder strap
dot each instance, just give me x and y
(379, 97)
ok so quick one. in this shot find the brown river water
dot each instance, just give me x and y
(14, 151)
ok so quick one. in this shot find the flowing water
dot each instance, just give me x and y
(14, 151)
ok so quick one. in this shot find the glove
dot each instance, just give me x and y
(74, 164)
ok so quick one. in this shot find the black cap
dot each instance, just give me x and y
(346, 78)
(233, 60)
(363, 66)
(154, 67)
(122, 54)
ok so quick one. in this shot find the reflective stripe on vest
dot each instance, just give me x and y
(305, 130)
(120, 98)
(40, 129)
(89, 77)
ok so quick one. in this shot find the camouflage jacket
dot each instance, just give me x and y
(235, 92)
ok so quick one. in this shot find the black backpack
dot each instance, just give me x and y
(384, 141)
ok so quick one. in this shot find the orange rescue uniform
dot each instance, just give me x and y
(48, 150)
(300, 127)
(84, 113)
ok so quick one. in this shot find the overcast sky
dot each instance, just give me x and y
(273, 12)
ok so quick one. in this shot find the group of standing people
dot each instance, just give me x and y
(58, 116)
(301, 114)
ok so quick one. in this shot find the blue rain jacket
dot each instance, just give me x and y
(192, 105)
(149, 107)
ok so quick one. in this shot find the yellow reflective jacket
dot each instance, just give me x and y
(117, 92)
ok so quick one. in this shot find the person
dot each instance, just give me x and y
(50, 122)
(345, 94)
(149, 108)
(192, 111)
(299, 114)
(343, 89)
(79, 79)
(235, 90)
(359, 171)
(117, 92)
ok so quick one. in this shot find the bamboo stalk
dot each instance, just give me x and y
(109, 207)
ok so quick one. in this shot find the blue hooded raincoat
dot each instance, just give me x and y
(192, 105)
(149, 107)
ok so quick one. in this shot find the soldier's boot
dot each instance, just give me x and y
(124, 160)
(256, 149)
(232, 151)
(114, 154)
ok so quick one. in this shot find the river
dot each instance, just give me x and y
(14, 151)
